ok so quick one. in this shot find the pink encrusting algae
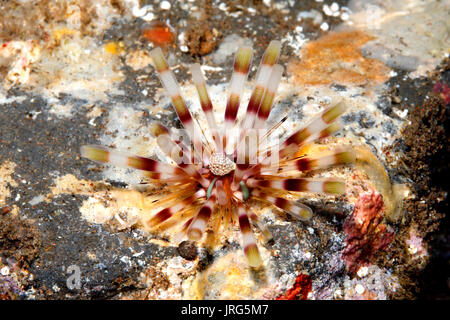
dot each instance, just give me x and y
(365, 232)
(443, 90)
(212, 182)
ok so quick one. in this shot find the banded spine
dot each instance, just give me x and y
(105, 155)
(198, 225)
(333, 186)
(241, 68)
(248, 240)
(263, 75)
(173, 89)
(317, 126)
(173, 151)
(297, 210)
(206, 103)
(262, 115)
(269, 97)
(304, 164)
(167, 213)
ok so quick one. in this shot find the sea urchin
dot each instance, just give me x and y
(216, 174)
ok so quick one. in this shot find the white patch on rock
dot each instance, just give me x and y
(410, 35)
(229, 47)
(130, 136)
(295, 39)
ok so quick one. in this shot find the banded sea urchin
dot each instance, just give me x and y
(217, 173)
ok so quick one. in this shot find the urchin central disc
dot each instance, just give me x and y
(220, 165)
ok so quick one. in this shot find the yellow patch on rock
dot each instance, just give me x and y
(105, 203)
(229, 278)
(393, 194)
(138, 59)
(114, 47)
(6, 170)
(120, 207)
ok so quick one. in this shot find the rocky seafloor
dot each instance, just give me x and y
(79, 72)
